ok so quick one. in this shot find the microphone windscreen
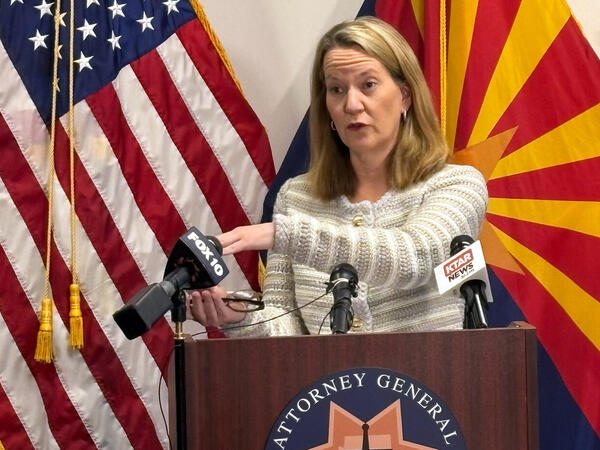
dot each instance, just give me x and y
(344, 270)
(143, 310)
(216, 243)
(201, 255)
(459, 243)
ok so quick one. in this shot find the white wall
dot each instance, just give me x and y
(270, 44)
(587, 13)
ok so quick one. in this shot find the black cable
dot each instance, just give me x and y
(162, 412)
(323, 321)
(266, 320)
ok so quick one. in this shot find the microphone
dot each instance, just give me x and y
(466, 268)
(342, 283)
(194, 263)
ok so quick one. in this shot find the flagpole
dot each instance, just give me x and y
(178, 314)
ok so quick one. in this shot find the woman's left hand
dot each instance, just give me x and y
(206, 306)
(249, 237)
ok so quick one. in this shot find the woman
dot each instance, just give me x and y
(379, 195)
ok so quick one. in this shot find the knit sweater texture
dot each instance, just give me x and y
(394, 244)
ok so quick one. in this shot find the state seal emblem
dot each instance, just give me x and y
(366, 409)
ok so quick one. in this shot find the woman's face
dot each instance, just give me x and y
(364, 101)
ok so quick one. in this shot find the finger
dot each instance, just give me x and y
(217, 292)
(226, 314)
(223, 311)
(212, 317)
(230, 249)
(228, 238)
(188, 307)
(197, 308)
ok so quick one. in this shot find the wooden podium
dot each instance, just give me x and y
(237, 388)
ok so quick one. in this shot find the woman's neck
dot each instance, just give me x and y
(371, 180)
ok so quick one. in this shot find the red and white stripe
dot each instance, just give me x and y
(170, 143)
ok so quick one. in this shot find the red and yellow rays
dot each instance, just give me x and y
(523, 105)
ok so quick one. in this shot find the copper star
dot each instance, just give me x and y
(484, 156)
(382, 432)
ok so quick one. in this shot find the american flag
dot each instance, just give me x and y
(164, 140)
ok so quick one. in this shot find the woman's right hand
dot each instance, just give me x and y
(207, 307)
(249, 237)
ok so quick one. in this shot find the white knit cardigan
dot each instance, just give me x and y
(394, 244)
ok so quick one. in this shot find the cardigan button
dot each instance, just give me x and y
(358, 221)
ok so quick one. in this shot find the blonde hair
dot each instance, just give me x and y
(420, 150)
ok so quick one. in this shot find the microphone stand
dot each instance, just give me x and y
(178, 317)
(475, 303)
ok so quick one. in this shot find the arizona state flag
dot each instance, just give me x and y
(519, 93)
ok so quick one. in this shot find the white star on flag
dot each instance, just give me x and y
(13, 1)
(62, 19)
(38, 40)
(117, 9)
(171, 5)
(84, 61)
(92, 2)
(87, 29)
(44, 8)
(114, 40)
(146, 22)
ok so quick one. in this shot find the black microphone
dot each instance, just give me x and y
(473, 291)
(194, 263)
(342, 283)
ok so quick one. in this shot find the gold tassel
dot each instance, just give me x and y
(262, 272)
(75, 318)
(43, 350)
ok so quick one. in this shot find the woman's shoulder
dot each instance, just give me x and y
(296, 185)
(459, 170)
(456, 174)
(294, 191)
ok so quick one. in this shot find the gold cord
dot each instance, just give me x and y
(71, 147)
(75, 317)
(443, 67)
(43, 350)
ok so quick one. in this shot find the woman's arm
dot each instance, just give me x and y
(278, 287)
(454, 203)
